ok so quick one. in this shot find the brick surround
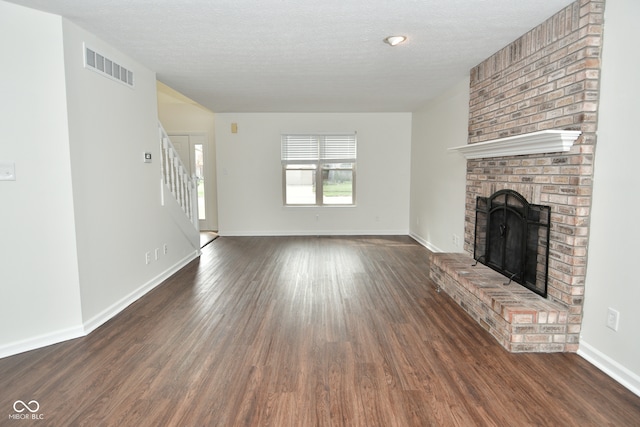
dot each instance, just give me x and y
(547, 79)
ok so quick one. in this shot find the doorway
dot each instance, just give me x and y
(192, 149)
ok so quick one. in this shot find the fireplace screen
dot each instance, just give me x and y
(512, 237)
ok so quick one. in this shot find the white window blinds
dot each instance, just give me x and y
(334, 148)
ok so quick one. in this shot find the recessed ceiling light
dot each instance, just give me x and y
(395, 40)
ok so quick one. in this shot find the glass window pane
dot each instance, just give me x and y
(300, 185)
(337, 184)
(198, 151)
(302, 166)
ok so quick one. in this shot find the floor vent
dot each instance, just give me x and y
(105, 66)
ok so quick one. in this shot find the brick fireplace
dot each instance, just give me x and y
(546, 80)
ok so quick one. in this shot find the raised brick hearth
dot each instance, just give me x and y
(519, 319)
(547, 79)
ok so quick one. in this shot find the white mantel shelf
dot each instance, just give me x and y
(545, 141)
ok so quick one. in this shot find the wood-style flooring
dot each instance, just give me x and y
(305, 331)
(207, 237)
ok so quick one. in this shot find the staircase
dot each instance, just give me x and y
(176, 179)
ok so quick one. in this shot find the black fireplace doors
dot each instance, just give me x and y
(512, 237)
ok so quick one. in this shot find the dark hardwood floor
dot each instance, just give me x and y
(305, 331)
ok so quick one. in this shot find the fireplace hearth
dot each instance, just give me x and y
(512, 237)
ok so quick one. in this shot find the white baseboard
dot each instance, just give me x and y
(62, 335)
(111, 311)
(244, 233)
(424, 243)
(41, 341)
(610, 367)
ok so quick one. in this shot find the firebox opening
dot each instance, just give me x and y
(512, 237)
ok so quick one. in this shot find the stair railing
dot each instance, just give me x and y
(175, 177)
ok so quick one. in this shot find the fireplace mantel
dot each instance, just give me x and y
(546, 141)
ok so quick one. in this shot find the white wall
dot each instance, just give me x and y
(84, 209)
(250, 175)
(438, 177)
(612, 280)
(39, 285)
(179, 115)
(118, 209)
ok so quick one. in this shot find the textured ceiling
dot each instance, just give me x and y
(306, 55)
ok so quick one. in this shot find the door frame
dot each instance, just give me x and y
(208, 171)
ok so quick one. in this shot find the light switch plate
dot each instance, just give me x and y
(7, 171)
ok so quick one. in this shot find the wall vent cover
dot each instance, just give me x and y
(107, 67)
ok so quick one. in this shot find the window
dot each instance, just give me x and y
(328, 159)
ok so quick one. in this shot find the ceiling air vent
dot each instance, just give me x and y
(105, 66)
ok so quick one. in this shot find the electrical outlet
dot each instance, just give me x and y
(613, 319)
(165, 248)
(157, 253)
(147, 258)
